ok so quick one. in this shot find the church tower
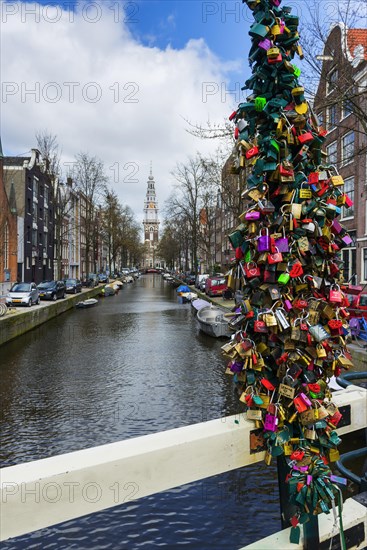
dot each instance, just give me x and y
(151, 223)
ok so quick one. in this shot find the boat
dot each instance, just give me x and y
(213, 322)
(87, 303)
(199, 303)
(185, 297)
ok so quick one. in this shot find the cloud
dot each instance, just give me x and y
(85, 78)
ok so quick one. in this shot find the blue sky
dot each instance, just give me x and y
(148, 63)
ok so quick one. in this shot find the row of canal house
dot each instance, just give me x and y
(42, 225)
(341, 106)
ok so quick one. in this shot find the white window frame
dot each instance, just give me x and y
(330, 89)
(350, 252)
(335, 142)
(350, 158)
(363, 265)
(331, 126)
(346, 213)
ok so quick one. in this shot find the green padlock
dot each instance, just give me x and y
(260, 103)
(283, 278)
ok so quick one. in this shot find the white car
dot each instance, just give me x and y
(23, 294)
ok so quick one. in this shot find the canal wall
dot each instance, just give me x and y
(24, 319)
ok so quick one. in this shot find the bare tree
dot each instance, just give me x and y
(320, 57)
(50, 151)
(194, 196)
(90, 181)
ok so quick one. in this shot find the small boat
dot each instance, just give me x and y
(213, 322)
(87, 303)
(199, 304)
(185, 297)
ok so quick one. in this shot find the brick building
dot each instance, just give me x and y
(341, 105)
(34, 200)
(8, 233)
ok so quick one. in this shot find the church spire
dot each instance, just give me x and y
(151, 169)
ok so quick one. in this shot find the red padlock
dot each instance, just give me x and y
(252, 152)
(297, 455)
(296, 270)
(335, 296)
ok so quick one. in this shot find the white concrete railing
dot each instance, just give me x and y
(45, 492)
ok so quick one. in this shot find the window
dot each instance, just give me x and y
(332, 116)
(41, 213)
(347, 108)
(347, 147)
(29, 208)
(46, 194)
(27, 262)
(349, 256)
(28, 234)
(34, 215)
(332, 153)
(348, 190)
(364, 264)
(320, 116)
(46, 218)
(35, 189)
(331, 81)
(34, 237)
(6, 246)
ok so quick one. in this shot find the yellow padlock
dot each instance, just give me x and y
(337, 180)
(273, 53)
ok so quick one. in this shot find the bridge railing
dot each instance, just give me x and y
(46, 492)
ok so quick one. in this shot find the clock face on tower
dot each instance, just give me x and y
(151, 205)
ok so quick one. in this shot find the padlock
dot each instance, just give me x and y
(273, 53)
(260, 102)
(263, 241)
(335, 295)
(283, 278)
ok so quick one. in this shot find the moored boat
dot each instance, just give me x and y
(87, 303)
(213, 322)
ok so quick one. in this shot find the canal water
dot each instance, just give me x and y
(135, 364)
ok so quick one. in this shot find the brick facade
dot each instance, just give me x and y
(341, 104)
(8, 234)
(35, 208)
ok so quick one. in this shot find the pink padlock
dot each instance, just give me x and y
(270, 423)
(265, 44)
(336, 227)
(305, 399)
(287, 305)
(253, 215)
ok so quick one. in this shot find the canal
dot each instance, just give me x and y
(135, 364)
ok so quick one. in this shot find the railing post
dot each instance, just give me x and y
(311, 533)
(288, 510)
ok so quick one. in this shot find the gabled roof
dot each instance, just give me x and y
(357, 43)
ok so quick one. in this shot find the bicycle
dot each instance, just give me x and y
(358, 329)
(3, 309)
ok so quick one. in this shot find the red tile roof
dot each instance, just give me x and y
(357, 37)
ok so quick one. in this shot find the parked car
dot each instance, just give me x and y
(103, 278)
(23, 294)
(201, 279)
(358, 305)
(52, 290)
(190, 278)
(91, 280)
(72, 286)
(214, 286)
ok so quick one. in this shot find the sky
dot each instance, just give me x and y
(119, 79)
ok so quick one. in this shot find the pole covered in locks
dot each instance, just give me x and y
(292, 325)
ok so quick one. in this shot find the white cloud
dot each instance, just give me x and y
(144, 94)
